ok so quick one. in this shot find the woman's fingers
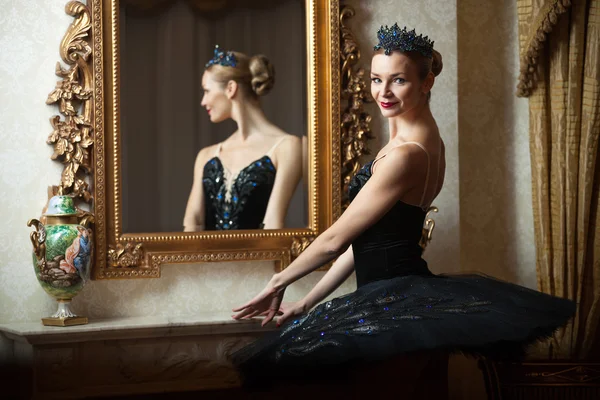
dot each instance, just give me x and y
(256, 300)
(264, 313)
(243, 313)
(252, 314)
(269, 317)
(240, 308)
(267, 303)
(283, 318)
(292, 312)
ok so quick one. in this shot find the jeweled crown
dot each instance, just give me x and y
(226, 59)
(394, 38)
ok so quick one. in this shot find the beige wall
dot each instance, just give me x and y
(485, 221)
(496, 224)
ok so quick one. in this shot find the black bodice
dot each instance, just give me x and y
(245, 205)
(390, 247)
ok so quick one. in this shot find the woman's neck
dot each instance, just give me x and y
(402, 125)
(249, 117)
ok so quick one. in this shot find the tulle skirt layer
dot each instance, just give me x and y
(466, 313)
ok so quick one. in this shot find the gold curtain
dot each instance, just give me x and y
(560, 73)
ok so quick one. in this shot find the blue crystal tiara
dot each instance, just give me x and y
(226, 59)
(394, 38)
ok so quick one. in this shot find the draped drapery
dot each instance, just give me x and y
(560, 73)
(163, 46)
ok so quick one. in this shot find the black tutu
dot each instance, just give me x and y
(401, 307)
(472, 314)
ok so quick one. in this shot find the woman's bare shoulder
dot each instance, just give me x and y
(205, 154)
(405, 161)
(291, 139)
(283, 140)
(277, 133)
(406, 155)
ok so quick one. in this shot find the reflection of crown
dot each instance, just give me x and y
(225, 59)
(394, 38)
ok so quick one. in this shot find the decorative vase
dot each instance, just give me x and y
(62, 256)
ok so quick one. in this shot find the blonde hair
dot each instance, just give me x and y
(255, 75)
(433, 64)
(436, 63)
(426, 64)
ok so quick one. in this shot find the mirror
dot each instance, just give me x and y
(164, 124)
(135, 120)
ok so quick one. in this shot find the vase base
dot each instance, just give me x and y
(67, 321)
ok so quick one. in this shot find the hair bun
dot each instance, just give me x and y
(263, 74)
(436, 63)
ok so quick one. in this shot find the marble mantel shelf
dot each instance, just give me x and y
(132, 327)
(123, 356)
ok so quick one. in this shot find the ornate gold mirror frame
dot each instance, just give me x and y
(87, 142)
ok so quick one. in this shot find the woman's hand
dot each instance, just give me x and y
(290, 310)
(284, 306)
(267, 303)
(287, 311)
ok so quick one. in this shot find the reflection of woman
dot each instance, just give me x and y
(247, 181)
(399, 306)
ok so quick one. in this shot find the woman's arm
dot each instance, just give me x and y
(398, 173)
(341, 269)
(289, 171)
(193, 219)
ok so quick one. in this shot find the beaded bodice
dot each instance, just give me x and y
(237, 201)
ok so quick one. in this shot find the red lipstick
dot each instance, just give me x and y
(387, 105)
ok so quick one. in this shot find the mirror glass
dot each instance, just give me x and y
(165, 124)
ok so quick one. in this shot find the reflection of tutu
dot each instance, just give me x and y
(468, 313)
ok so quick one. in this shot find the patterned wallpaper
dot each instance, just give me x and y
(30, 33)
(486, 228)
(496, 224)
